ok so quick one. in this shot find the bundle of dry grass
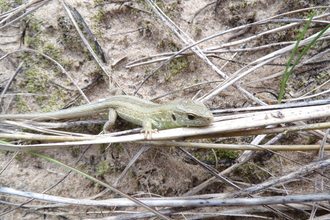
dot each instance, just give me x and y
(262, 68)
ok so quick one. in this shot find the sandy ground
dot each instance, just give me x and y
(127, 32)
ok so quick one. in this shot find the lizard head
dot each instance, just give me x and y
(190, 113)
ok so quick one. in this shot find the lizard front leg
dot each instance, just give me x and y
(111, 121)
(147, 129)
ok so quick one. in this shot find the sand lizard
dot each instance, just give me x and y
(149, 115)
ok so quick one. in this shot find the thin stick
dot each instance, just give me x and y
(10, 81)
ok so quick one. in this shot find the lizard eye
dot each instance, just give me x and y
(174, 118)
(191, 116)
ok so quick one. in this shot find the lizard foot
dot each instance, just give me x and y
(148, 133)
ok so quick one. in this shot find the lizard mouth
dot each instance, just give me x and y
(210, 119)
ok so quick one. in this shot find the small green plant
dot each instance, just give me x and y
(145, 4)
(99, 16)
(287, 73)
(251, 173)
(54, 52)
(223, 155)
(102, 168)
(4, 6)
(176, 65)
(21, 105)
(75, 151)
(36, 81)
(33, 37)
(50, 50)
(118, 147)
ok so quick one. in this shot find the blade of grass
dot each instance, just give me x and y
(287, 73)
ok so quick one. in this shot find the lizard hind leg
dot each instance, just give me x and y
(111, 121)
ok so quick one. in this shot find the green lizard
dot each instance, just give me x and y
(149, 115)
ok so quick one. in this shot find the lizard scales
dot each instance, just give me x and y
(177, 113)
